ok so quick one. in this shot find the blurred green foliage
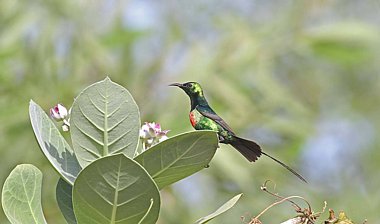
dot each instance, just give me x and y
(280, 72)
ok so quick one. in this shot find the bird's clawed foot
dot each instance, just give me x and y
(221, 139)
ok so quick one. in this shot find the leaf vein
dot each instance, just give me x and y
(91, 121)
(94, 209)
(195, 155)
(121, 149)
(119, 122)
(130, 217)
(97, 90)
(120, 137)
(88, 135)
(114, 111)
(177, 159)
(89, 150)
(96, 106)
(130, 200)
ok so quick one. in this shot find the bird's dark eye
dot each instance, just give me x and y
(188, 85)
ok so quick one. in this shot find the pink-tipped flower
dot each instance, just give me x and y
(58, 112)
(151, 134)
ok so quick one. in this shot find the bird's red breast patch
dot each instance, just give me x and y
(192, 119)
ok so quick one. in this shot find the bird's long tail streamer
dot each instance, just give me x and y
(252, 151)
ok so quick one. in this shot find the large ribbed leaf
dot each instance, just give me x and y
(52, 144)
(179, 156)
(115, 189)
(64, 196)
(21, 195)
(104, 121)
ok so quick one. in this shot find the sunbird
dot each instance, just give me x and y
(203, 117)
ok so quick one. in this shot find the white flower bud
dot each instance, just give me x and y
(65, 127)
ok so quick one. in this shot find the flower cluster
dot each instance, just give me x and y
(60, 113)
(151, 134)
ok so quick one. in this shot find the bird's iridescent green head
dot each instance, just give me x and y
(192, 89)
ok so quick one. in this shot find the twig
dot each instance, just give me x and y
(276, 203)
(298, 208)
(305, 216)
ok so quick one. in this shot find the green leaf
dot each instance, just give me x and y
(21, 195)
(53, 144)
(104, 120)
(115, 189)
(179, 157)
(226, 206)
(64, 195)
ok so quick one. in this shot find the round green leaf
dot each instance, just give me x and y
(21, 195)
(179, 156)
(53, 144)
(115, 189)
(104, 120)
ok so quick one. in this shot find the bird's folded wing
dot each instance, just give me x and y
(208, 112)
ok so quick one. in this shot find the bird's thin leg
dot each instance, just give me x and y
(221, 139)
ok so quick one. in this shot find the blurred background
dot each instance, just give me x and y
(302, 78)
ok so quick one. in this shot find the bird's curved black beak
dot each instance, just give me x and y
(176, 84)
